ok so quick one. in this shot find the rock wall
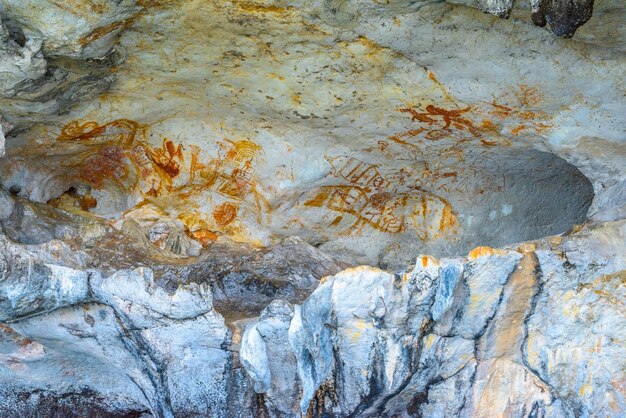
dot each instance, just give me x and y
(207, 208)
(496, 333)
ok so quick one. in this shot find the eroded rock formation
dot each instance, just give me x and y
(312, 208)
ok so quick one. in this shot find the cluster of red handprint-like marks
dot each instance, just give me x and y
(115, 148)
(118, 152)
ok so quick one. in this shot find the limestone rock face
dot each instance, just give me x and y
(22, 59)
(283, 208)
(77, 29)
(2, 140)
(496, 333)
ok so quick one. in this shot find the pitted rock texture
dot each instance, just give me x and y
(564, 17)
(207, 208)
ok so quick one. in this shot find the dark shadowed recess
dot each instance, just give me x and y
(40, 403)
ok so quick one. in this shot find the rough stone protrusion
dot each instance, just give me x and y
(19, 61)
(72, 29)
(500, 8)
(28, 286)
(269, 359)
(563, 16)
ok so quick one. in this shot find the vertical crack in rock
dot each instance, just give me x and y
(437, 303)
(414, 353)
(159, 401)
(501, 373)
(570, 405)
(506, 274)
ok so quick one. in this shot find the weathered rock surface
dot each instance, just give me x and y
(414, 169)
(496, 333)
(55, 53)
(187, 187)
(75, 29)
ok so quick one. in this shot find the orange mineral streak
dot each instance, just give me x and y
(442, 88)
(104, 30)
(500, 111)
(87, 202)
(336, 221)
(156, 3)
(203, 236)
(428, 260)
(256, 8)
(7, 331)
(488, 125)
(479, 252)
(488, 143)
(518, 129)
(448, 219)
(71, 200)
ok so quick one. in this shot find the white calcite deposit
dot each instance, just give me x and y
(283, 208)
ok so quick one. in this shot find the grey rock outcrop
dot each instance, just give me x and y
(373, 338)
(475, 337)
(21, 59)
(44, 53)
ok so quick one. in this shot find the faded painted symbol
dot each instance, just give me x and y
(446, 119)
(366, 198)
